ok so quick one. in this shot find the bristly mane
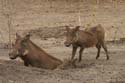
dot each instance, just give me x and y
(37, 47)
(90, 33)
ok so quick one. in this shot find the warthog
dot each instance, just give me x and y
(32, 55)
(94, 36)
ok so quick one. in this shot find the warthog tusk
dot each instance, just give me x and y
(26, 52)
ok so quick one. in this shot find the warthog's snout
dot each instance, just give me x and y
(12, 56)
(67, 44)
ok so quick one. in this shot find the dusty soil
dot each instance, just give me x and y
(40, 14)
(89, 70)
(46, 19)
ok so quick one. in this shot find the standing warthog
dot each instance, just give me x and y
(32, 55)
(94, 36)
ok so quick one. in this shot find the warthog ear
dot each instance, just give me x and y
(27, 37)
(18, 36)
(12, 44)
(67, 28)
(77, 28)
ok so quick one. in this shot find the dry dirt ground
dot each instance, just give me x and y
(40, 16)
(33, 14)
(89, 70)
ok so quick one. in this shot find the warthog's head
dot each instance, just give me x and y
(20, 48)
(71, 36)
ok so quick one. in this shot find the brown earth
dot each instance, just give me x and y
(46, 19)
(89, 70)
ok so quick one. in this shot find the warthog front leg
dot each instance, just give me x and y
(74, 51)
(26, 63)
(80, 53)
(98, 46)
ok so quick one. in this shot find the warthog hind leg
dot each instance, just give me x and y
(80, 53)
(105, 49)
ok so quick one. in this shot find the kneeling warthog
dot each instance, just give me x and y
(32, 55)
(94, 36)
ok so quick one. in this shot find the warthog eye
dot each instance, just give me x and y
(24, 44)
